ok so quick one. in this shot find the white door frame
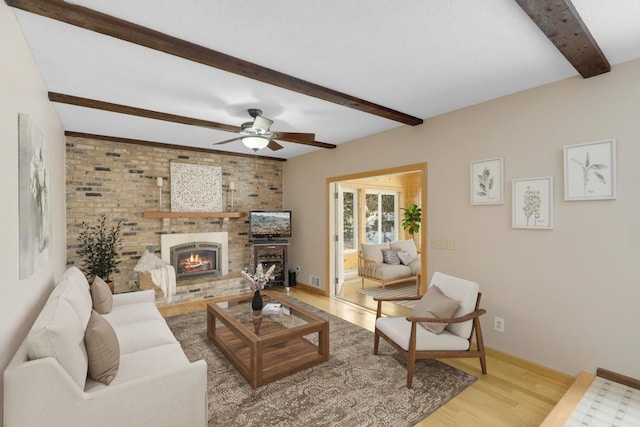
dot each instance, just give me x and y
(332, 214)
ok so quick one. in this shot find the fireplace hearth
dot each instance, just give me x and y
(196, 260)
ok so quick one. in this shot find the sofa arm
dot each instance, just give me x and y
(134, 297)
(366, 267)
(39, 393)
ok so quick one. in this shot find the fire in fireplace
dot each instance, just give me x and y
(196, 260)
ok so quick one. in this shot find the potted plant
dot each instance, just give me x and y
(98, 249)
(411, 220)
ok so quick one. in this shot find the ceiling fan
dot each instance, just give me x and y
(257, 134)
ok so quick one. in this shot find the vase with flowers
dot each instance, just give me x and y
(256, 282)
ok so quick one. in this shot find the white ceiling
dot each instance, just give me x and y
(420, 57)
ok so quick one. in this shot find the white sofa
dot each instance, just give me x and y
(372, 265)
(46, 382)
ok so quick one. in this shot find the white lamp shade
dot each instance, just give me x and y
(255, 142)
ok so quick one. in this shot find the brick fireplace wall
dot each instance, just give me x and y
(119, 180)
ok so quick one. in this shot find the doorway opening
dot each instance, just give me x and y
(367, 208)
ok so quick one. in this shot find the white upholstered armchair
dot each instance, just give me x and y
(443, 324)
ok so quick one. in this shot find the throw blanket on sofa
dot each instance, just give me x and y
(165, 278)
(163, 275)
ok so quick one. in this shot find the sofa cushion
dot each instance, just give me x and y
(76, 292)
(374, 252)
(406, 245)
(101, 296)
(390, 256)
(435, 304)
(391, 272)
(141, 335)
(103, 350)
(58, 333)
(144, 363)
(132, 313)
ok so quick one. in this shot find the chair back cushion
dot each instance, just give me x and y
(373, 251)
(461, 290)
(406, 246)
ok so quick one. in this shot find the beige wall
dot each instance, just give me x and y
(569, 296)
(22, 91)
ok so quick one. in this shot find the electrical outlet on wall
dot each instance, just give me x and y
(498, 324)
(298, 270)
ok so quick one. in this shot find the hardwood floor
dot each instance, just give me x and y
(514, 392)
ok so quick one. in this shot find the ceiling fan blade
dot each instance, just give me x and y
(295, 136)
(228, 140)
(274, 145)
(311, 143)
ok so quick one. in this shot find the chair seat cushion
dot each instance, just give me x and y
(398, 329)
(391, 272)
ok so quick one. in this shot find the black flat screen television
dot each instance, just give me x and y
(269, 225)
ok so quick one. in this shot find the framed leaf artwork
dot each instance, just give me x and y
(487, 181)
(590, 171)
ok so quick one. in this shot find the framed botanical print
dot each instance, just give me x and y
(590, 171)
(533, 203)
(487, 181)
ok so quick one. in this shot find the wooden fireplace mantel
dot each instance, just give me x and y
(156, 214)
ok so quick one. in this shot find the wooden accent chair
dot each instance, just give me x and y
(413, 341)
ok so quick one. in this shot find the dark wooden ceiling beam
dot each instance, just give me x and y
(163, 145)
(140, 112)
(560, 22)
(156, 115)
(111, 26)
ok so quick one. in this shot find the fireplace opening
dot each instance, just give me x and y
(196, 260)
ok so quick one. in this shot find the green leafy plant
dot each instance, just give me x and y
(485, 182)
(412, 219)
(588, 169)
(98, 248)
(532, 204)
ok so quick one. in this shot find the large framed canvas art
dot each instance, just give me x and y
(196, 188)
(34, 197)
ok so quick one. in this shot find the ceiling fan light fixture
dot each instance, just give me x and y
(255, 142)
(262, 124)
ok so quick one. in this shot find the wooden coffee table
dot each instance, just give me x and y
(266, 348)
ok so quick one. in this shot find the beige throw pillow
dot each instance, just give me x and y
(101, 296)
(435, 304)
(103, 349)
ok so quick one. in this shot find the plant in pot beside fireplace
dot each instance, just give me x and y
(98, 249)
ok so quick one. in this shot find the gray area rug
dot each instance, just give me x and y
(353, 388)
(392, 292)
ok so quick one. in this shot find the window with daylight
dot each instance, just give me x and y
(381, 216)
(349, 220)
